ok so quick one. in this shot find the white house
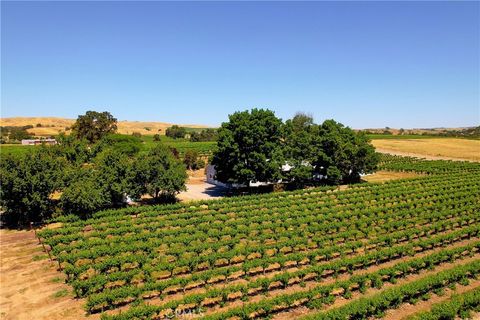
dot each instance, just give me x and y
(211, 172)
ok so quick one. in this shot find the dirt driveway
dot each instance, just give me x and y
(202, 191)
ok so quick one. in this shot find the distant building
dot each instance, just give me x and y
(34, 142)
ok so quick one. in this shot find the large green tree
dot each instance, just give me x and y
(204, 135)
(157, 173)
(342, 154)
(27, 182)
(127, 145)
(75, 151)
(112, 169)
(102, 183)
(94, 125)
(84, 194)
(299, 135)
(248, 148)
(192, 160)
(176, 132)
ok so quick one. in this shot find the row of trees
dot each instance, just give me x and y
(14, 134)
(204, 135)
(90, 170)
(256, 146)
(94, 168)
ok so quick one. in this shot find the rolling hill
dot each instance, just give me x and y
(48, 126)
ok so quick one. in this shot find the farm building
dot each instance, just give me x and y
(34, 142)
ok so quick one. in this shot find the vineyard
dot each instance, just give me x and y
(319, 253)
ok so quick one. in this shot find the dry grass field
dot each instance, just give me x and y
(31, 287)
(444, 148)
(383, 175)
(53, 126)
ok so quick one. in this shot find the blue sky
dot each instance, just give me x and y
(366, 64)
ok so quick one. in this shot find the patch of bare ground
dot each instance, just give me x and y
(199, 189)
(383, 175)
(340, 301)
(30, 285)
(407, 310)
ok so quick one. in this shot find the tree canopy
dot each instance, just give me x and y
(254, 146)
(204, 135)
(159, 174)
(94, 125)
(176, 132)
(249, 148)
(27, 182)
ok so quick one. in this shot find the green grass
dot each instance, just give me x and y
(15, 149)
(39, 257)
(57, 280)
(60, 293)
(182, 145)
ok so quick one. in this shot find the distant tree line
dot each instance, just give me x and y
(90, 170)
(256, 146)
(204, 135)
(473, 132)
(177, 132)
(14, 134)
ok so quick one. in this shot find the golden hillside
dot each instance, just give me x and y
(52, 125)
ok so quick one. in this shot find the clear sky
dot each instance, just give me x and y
(366, 64)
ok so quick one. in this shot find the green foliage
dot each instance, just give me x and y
(204, 135)
(61, 293)
(76, 151)
(156, 137)
(176, 132)
(111, 172)
(249, 148)
(15, 133)
(124, 144)
(83, 197)
(19, 134)
(299, 137)
(97, 185)
(192, 161)
(158, 173)
(94, 125)
(26, 183)
(343, 153)
(254, 146)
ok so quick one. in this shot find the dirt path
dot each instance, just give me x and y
(30, 285)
